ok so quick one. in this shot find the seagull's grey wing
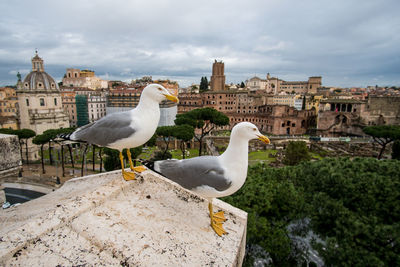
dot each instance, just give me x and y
(107, 130)
(194, 172)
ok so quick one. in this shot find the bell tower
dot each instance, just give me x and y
(218, 76)
(37, 63)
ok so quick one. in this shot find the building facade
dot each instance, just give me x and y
(40, 103)
(69, 105)
(8, 108)
(275, 85)
(83, 78)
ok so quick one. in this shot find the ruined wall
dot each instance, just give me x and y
(382, 110)
(10, 158)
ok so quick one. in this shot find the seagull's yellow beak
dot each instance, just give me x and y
(264, 139)
(172, 98)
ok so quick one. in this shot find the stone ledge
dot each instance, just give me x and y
(103, 220)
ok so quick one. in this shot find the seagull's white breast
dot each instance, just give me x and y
(145, 125)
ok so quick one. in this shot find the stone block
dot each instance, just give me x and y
(10, 157)
(103, 220)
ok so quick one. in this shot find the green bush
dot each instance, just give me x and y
(353, 205)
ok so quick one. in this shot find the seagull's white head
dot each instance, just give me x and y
(158, 93)
(249, 131)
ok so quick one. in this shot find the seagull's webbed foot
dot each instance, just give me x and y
(139, 169)
(217, 220)
(135, 169)
(127, 175)
(219, 217)
(219, 230)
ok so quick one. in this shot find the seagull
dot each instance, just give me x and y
(214, 176)
(127, 129)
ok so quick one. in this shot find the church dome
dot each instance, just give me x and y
(38, 79)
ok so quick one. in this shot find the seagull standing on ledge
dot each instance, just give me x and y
(218, 176)
(127, 129)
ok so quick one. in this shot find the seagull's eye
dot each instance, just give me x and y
(254, 129)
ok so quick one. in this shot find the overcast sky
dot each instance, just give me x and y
(347, 42)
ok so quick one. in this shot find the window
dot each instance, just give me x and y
(41, 100)
(27, 102)
(55, 101)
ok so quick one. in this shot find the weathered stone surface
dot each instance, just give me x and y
(10, 157)
(103, 220)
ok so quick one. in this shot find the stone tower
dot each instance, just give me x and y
(218, 76)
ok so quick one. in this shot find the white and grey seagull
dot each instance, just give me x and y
(214, 176)
(127, 129)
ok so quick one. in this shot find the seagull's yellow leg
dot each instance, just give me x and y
(127, 175)
(217, 219)
(136, 169)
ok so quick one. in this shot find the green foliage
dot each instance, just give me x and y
(7, 131)
(383, 131)
(166, 132)
(242, 85)
(383, 135)
(296, 152)
(353, 204)
(25, 133)
(272, 202)
(112, 162)
(41, 139)
(203, 84)
(204, 119)
(152, 141)
(396, 150)
(185, 133)
(159, 155)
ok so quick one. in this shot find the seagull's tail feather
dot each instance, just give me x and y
(65, 136)
(68, 137)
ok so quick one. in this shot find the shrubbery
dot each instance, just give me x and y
(353, 205)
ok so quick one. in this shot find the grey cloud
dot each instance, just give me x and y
(350, 43)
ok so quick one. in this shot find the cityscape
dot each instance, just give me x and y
(221, 133)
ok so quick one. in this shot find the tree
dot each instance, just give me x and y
(352, 205)
(25, 134)
(204, 119)
(303, 105)
(295, 152)
(185, 133)
(396, 150)
(112, 162)
(152, 141)
(383, 135)
(52, 133)
(272, 203)
(166, 132)
(242, 85)
(41, 140)
(203, 84)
